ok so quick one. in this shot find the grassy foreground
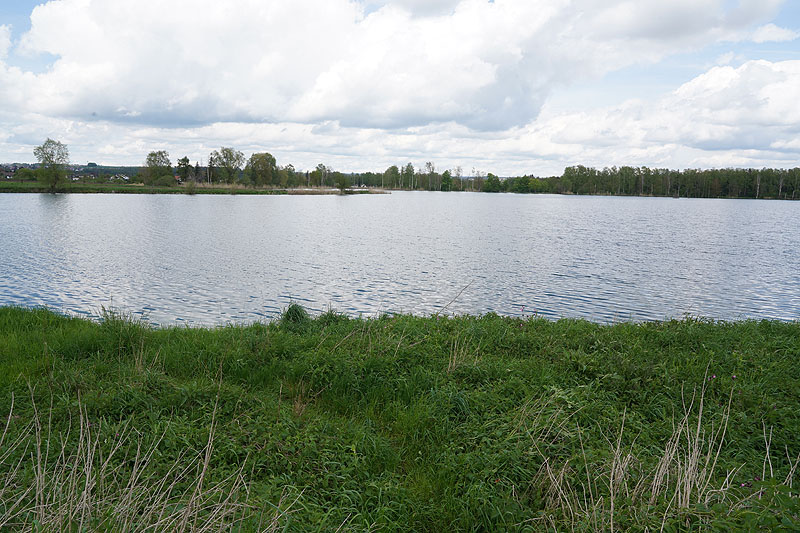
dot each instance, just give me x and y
(398, 423)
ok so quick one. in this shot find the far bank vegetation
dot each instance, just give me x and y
(228, 168)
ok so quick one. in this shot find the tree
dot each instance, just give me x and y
(53, 157)
(447, 181)
(184, 168)
(391, 177)
(25, 174)
(261, 170)
(407, 175)
(492, 183)
(477, 179)
(342, 183)
(157, 168)
(327, 173)
(210, 169)
(458, 174)
(320, 175)
(230, 163)
(292, 177)
(430, 171)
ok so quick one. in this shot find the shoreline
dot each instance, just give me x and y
(23, 188)
(80, 188)
(17, 187)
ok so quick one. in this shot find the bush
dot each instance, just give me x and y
(165, 181)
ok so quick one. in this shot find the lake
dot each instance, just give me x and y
(218, 259)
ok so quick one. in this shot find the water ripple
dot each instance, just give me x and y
(215, 259)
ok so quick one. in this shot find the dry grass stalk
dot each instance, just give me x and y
(687, 466)
(683, 476)
(461, 351)
(96, 479)
(275, 522)
(792, 469)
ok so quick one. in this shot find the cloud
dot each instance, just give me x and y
(363, 85)
(744, 116)
(772, 33)
(425, 7)
(395, 64)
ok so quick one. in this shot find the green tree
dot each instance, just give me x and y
(447, 181)
(53, 157)
(342, 183)
(184, 168)
(492, 183)
(320, 176)
(261, 170)
(157, 168)
(25, 174)
(391, 177)
(230, 163)
(292, 177)
(407, 176)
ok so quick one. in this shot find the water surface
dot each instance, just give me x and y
(217, 259)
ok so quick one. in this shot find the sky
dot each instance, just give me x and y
(506, 86)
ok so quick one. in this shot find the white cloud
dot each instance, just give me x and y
(488, 65)
(743, 116)
(722, 115)
(772, 33)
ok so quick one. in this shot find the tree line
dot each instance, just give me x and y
(229, 166)
(610, 181)
(644, 181)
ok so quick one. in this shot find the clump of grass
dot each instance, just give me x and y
(126, 332)
(295, 316)
(462, 352)
(331, 316)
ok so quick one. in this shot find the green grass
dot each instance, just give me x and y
(398, 423)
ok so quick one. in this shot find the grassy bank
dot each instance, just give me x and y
(398, 423)
(133, 188)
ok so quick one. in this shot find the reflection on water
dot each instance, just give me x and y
(216, 259)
